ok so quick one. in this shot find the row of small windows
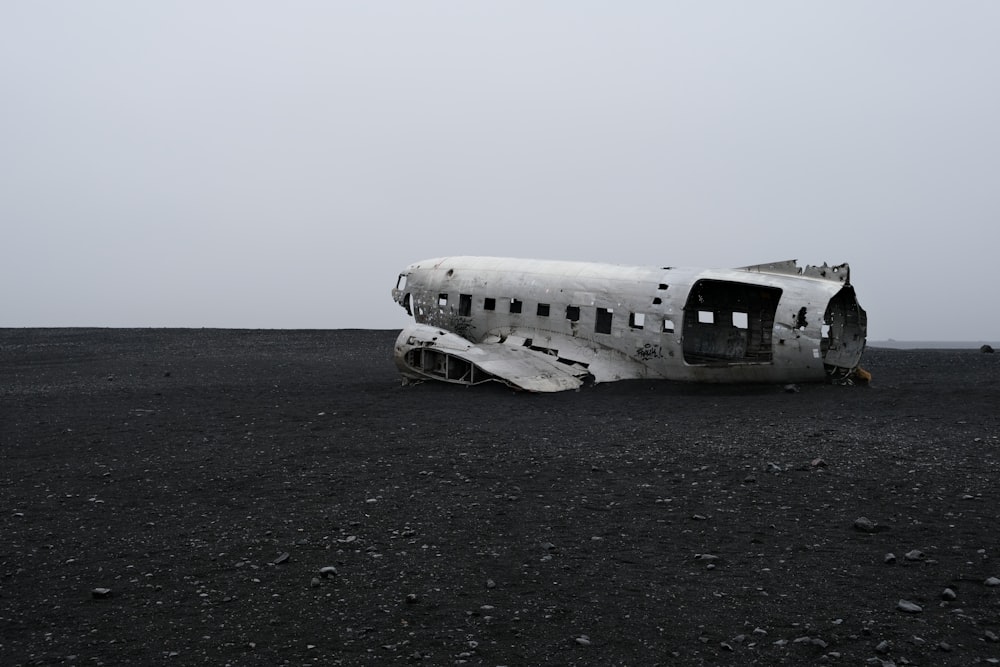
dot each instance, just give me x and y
(602, 320)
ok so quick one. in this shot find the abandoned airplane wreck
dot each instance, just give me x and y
(553, 325)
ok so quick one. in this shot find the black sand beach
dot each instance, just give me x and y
(206, 477)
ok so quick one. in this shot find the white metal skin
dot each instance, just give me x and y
(551, 325)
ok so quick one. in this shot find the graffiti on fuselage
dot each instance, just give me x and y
(649, 351)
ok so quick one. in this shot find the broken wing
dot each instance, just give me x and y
(424, 352)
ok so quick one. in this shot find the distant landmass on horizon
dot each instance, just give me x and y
(931, 344)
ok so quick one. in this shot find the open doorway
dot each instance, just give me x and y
(729, 323)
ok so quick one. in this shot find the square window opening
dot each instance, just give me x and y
(489, 303)
(637, 320)
(515, 305)
(543, 310)
(573, 313)
(602, 324)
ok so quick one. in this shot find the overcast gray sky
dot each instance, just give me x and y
(275, 164)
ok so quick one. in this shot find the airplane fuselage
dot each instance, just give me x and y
(765, 323)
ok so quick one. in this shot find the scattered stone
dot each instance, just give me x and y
(101, 593)
(802, 640)
(411, 598)
(283, 558)
(909, 607)
(818, 463)
(992, 581)
(889, 559)
(986, 349)
(315, 582)
(948, 594)
(944, 646)
(699, 517)
(443, 512)
(864, 524)
(915, 554)
(774, 468)
(548, 546)
(816, 641)
(490, 583)
(991, 636)
(583, 640)
(882, 647)
(726, 646)
(791, 388)
(749, 479)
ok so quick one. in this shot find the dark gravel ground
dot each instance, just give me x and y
(635, 523)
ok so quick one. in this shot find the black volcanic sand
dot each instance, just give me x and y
(634, 523)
